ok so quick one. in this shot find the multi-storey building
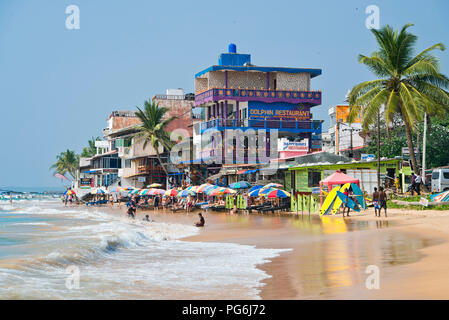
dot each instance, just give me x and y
(236, 94)
(345, 138)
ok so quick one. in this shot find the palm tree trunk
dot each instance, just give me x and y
(408, 134)
(160, 161)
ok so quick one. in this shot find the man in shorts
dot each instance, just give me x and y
(376, 201)
(382, 200)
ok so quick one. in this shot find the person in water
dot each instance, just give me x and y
(147, 218)
(202, 221)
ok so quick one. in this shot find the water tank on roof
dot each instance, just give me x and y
(232, 48)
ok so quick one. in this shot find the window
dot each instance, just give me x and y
(127, 163)
(446, 175)
(314, 178)
(435, 175)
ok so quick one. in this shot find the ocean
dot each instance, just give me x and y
(48, 251)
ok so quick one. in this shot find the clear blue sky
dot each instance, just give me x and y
(57, 86)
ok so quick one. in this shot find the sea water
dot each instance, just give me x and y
(45, 247)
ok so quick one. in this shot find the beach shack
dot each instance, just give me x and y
(306, 177)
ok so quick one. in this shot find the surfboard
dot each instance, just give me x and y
(349, 202)
(329, 201)
(359, 195)
(338, 202)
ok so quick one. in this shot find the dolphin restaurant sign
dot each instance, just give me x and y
(278, 111)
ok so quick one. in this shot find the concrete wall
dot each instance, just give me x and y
(201, 84)
(258, 80)
(292, 81)
(182, 109)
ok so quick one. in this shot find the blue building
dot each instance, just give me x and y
(236, 94)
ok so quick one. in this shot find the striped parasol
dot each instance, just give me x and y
(201, 188)
(171, 192)
(98, 191)
(277, 193)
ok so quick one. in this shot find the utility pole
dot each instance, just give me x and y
(378, 149)
(424, 141)
(351, 152)
(337, 139)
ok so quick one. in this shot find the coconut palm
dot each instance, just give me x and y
(91, 150)
(67, 161)
(408, 86)
(153, 128)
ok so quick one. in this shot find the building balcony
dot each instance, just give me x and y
(264, 95)
(145, 169)
(306, 126)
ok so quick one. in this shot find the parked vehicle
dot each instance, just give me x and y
(440, 180)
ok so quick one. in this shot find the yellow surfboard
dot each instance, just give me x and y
(329, 201)
(338, 202)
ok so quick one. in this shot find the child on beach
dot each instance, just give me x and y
(376, 201)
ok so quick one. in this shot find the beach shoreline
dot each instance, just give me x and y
(420, 279)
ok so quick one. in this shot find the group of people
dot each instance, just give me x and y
(132, 209)
(379, 201)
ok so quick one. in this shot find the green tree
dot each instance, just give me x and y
(67, 161)
(153, 128)
(91, 150)
(408, 85)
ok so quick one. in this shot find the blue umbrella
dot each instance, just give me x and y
(185, 193)
(240, 185)
(255, 188)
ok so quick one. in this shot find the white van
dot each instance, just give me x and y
(440, 180)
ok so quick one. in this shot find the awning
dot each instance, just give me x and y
(175, 174)
(92, 171)
(241, 171)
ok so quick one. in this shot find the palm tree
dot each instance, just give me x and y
(91, 150)
(153, 128)
(67, 161)
(408, 86)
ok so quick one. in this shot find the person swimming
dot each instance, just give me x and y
(147, 218)
(202, 221)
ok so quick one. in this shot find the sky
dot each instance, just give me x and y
(58, 86)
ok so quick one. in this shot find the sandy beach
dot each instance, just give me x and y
(329, 256)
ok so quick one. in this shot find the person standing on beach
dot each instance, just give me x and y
(376, 201)
(382, 200)
(10, 198)
(418, 181)
(412, 184)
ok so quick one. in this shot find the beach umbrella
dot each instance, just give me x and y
(240, 185)
(98, 191)
(69, 192)
(255, 193)
(154, 192)
(185, 193)
(200, 189)
(255, 188)
(216, 191)
(277, 193)
(193, 188)
(127, 188)
(144, 192)
(154, 185)
(208, 190)
(273, 185)
(171, 192)
(134, 191)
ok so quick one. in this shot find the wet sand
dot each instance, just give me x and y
(329, 256)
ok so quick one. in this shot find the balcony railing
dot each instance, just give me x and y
(265, 95)
(313, 126)
(149, 169)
